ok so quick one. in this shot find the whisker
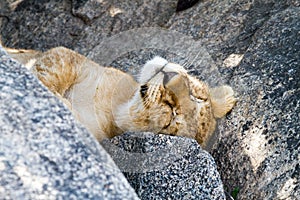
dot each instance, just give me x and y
(196, 57)
(187, 63)
(154, 88)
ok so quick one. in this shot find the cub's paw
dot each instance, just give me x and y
(222, 99)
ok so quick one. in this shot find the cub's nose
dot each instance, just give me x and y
(178, 84)
(168, 76)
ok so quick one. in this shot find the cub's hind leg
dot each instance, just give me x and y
(25, 57)
(58, 69)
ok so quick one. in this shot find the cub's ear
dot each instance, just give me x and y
(222, 99)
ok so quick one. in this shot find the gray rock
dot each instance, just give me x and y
(166, 167)
(258, 147)
(88, 10)
(44, 153)
(48, 24)
(41, 23)
(226, 26)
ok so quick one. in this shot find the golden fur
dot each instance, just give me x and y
(109, 102)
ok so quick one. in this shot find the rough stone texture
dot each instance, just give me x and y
(42, 21)
(165, 167)
(44, 153)
(262, 138)
(52, 23)
(82, 9)
(226, 26)
(257, 151)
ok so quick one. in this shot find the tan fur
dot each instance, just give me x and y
(23, 56)
(109, 102)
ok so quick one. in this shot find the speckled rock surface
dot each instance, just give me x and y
(80, 25)
(166, 167)
(227, 26)
(262, 139)
(44, 153)
(257, 152)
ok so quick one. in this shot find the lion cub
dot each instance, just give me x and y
(109, 102)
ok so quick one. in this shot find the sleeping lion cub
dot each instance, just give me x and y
(109, 102)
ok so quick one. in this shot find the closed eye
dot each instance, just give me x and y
(196, 99)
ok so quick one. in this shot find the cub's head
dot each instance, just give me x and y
(172, 102)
